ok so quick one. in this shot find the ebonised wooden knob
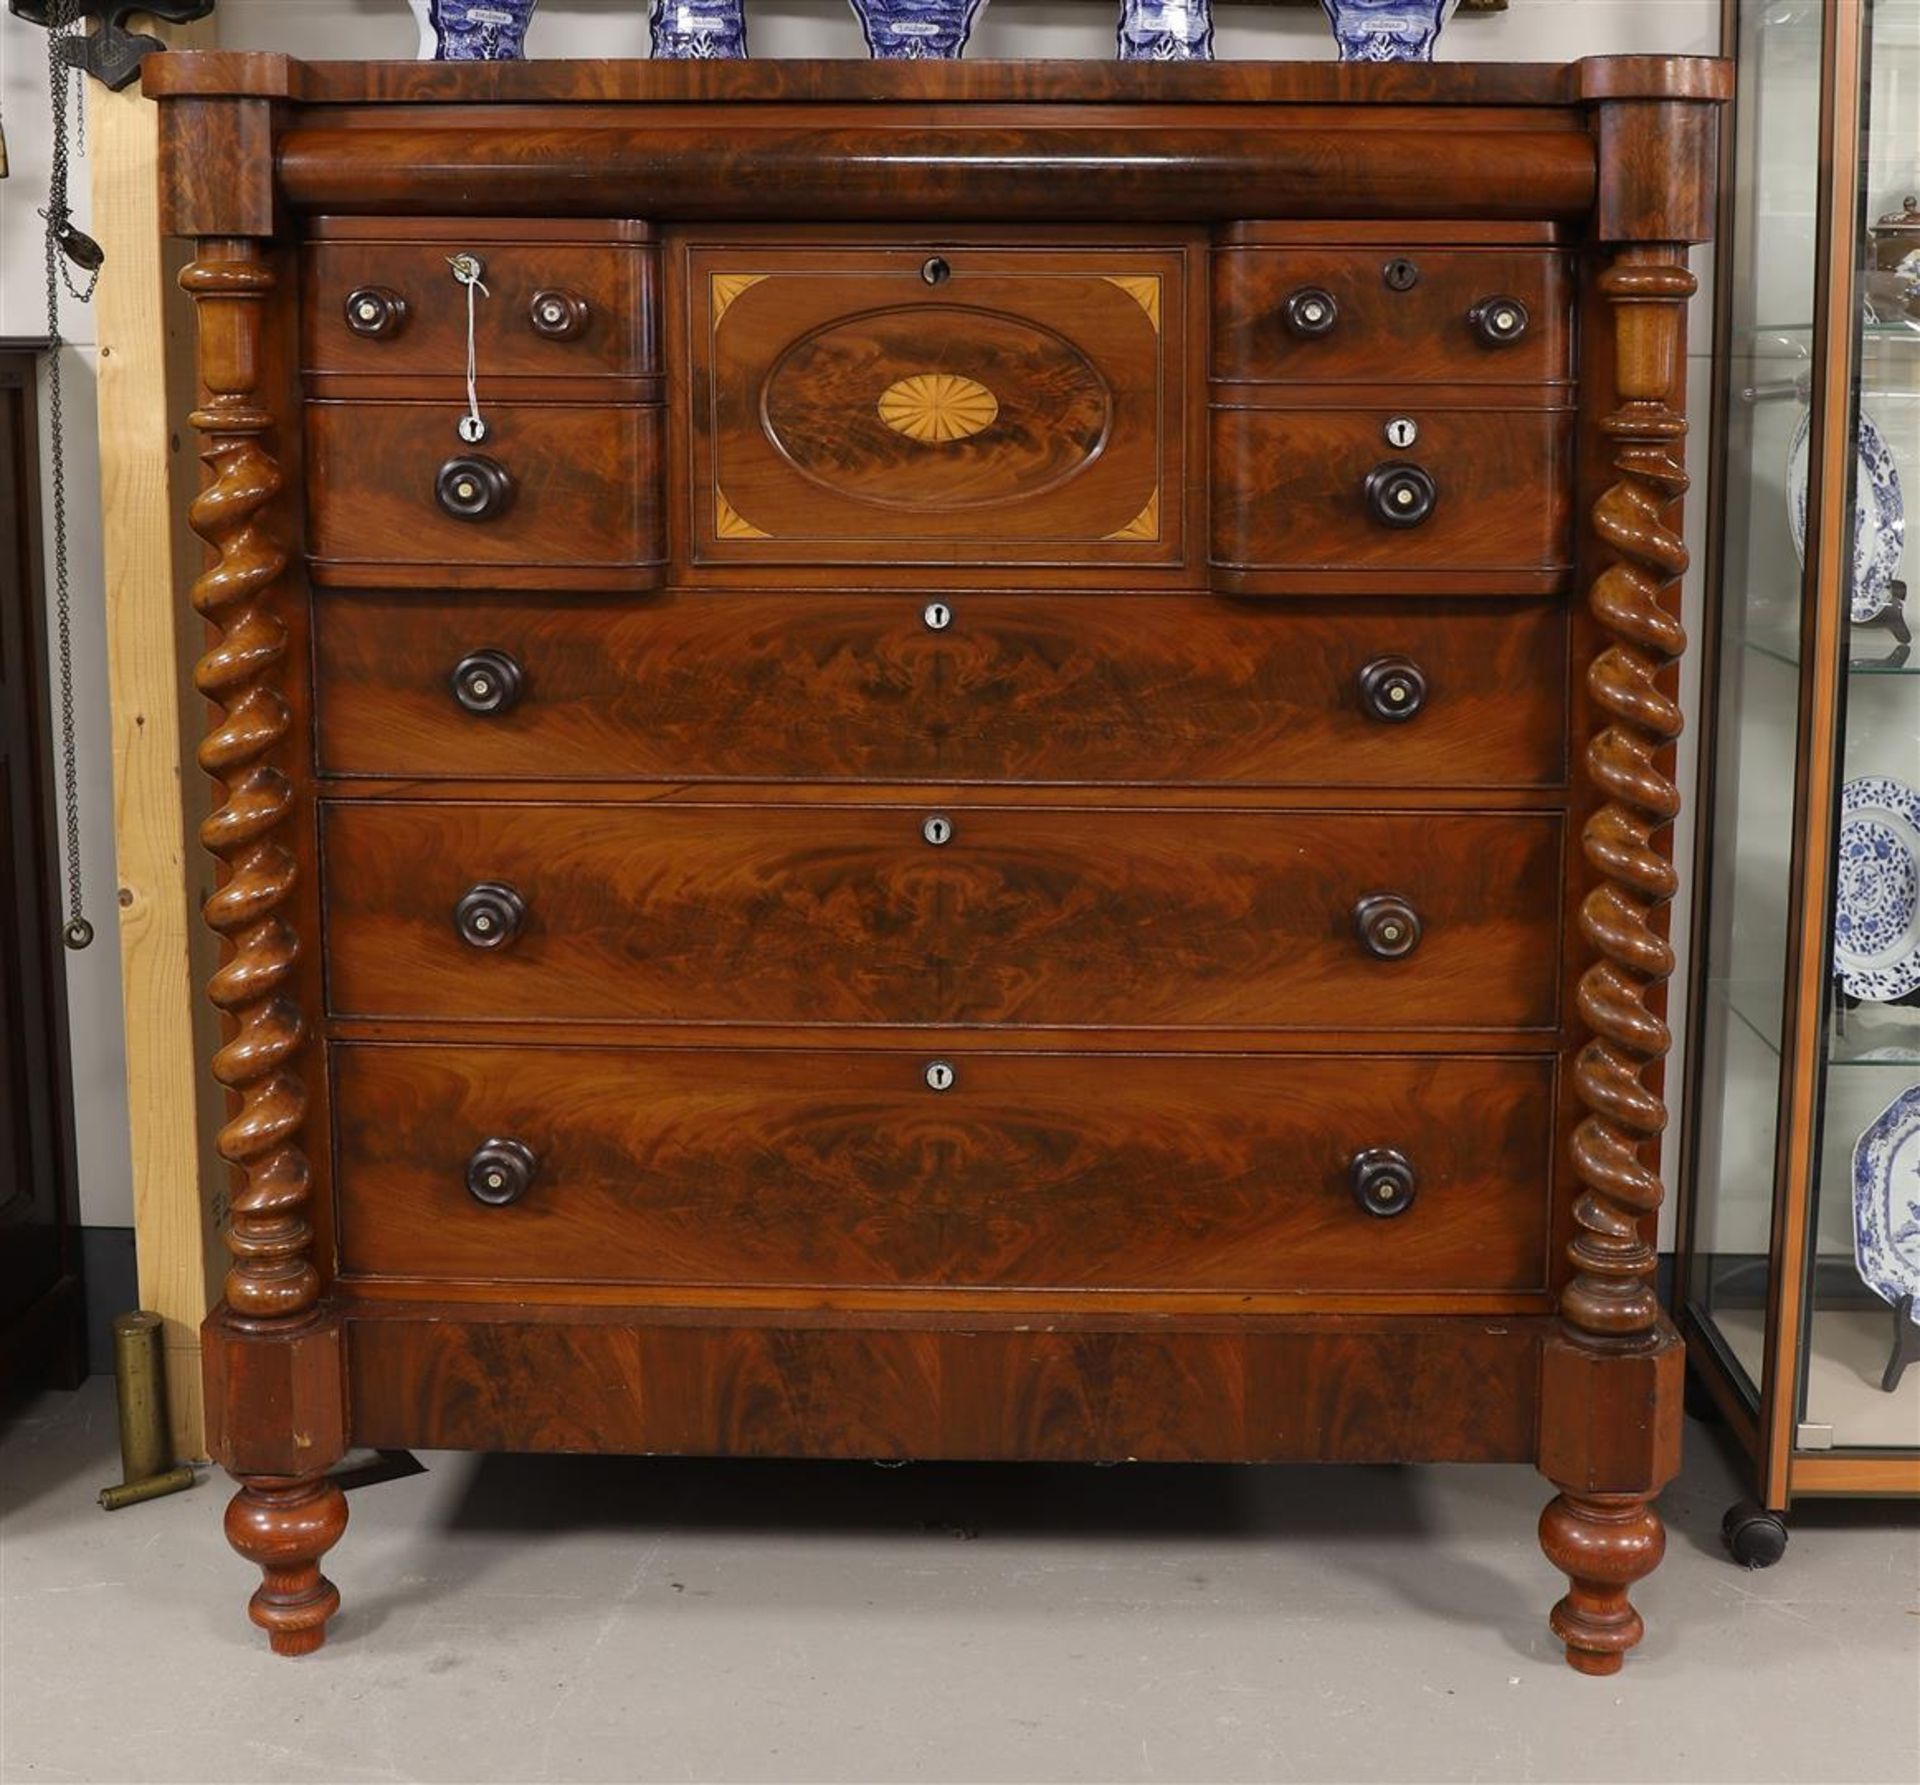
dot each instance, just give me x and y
(1311, 312)
(376, 311)
(1498, 321)
(488, 682)
(1392, 689)
(489, 915)
(559, 315)
(1388, 927)
(501, 1171)
(473, 487)
(1382, 1180)
(1400, 494)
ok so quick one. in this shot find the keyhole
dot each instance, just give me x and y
(936, 271)
(939, 1075)
(1400, 275)
(938, 616)
(1402, 431)
(938, 830)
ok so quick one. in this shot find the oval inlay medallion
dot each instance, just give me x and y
(936, 406)
(874, 407)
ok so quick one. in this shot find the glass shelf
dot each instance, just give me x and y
(1869, 1035)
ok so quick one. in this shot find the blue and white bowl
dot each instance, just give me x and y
(1886, 1200)
(473, 30)
(1876, 890)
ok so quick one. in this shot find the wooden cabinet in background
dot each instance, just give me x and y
(1007, 800)
(41, 1317)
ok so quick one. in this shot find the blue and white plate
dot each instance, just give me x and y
(1876, 895)
(1879, 515)
(1886, 1200)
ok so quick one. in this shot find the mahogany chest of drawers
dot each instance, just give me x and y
(942, 761)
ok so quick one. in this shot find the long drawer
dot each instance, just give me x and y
(968, 687)
(780, 1167)
(818, 913)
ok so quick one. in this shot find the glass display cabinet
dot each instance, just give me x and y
(1800, 1207)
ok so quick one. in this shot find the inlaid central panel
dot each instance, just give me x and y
(946, 404)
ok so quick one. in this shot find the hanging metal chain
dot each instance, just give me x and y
(67, 248)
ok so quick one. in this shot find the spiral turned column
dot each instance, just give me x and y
(270, 1277)
(269, 1332)
(1613, 1366)
(1611, 1294)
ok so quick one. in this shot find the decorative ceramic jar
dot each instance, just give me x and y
(1166, 30)
(1387, 30)
(920, 30)
(699, 30)
(473, 30)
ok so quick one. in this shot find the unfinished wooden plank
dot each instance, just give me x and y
(165, 951)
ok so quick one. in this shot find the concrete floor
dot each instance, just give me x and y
(512, 1618)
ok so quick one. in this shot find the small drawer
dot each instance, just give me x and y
(553, 309)
(1334, 315)
(1150, 689)
(1363, 1177)
(556, 496)
(914, 405)
(1484, 494)
(949, 913)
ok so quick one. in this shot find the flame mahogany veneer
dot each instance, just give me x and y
(1018, 807)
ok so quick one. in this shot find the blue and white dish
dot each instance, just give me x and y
(1879, 514)
(917, 30)
(1886, 1200)
(1876, 893)
(1387, 30)
(473, 30)
(1166, 30)
(699, 30)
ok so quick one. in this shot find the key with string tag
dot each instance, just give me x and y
(469, 271)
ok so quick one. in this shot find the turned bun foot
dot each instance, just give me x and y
(1602, 1544)
(284, 1528)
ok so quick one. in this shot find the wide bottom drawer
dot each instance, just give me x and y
(736, 1167)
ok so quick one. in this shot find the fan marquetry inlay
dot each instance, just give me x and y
(938, 406)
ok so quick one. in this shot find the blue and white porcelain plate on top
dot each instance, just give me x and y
(1886, 1200)
(1879, 515)
(1876, 895)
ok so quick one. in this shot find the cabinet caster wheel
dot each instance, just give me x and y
(1755, 1537)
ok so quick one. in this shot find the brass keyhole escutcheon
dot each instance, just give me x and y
(936, 271)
